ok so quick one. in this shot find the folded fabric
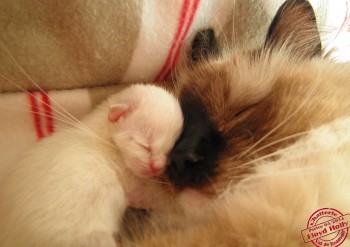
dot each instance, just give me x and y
(28, 117)
(97, 43)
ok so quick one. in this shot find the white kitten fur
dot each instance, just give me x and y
(146, 139)
(71, 190)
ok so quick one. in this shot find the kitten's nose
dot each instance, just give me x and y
(157, 164)
(153, 168)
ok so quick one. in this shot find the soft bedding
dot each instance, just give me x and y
(80, 51)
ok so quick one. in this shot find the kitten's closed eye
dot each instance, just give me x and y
(145, 146)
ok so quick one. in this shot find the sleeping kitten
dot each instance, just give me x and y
(72, 189)
(274, 144)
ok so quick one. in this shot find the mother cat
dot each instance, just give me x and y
(274, 141)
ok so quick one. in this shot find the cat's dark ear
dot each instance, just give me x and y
(204, 45)
(294, 26)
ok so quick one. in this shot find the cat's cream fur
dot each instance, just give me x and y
(72, 188)
(284, 114)
(271, 207)
(285, 118)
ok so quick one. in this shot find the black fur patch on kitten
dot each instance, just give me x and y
(193, 158)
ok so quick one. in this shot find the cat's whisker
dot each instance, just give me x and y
(93, 134)
(282, 172)
(241, 176)
(213, 185)
(287, 138)
(308, 152)
(159, 194)
(52, 108)
(256, 160)
(172, 80)
(65, 114)
(155, 180)
(37, 85)
(222, 31)
(289, 117)
(63, 120)
(233, 36)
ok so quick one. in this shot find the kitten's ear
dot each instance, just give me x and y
(204, 45)
(295, 27)
(117, 111)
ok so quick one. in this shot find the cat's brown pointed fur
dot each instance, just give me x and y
(255, 98)
(288, 97)
(284, 114)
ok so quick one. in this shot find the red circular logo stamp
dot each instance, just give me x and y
(326, 227)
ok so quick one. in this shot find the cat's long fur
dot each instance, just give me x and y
(271, 207)
(284, 115)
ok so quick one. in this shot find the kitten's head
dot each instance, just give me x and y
(237, 102)
(145, 122)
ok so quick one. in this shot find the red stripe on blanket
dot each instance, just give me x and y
(180, 35)
(347, 15)
(346, 22)
(189, 24)
(183, 13)
(35, 114)
(184, 34)
(46, 105)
